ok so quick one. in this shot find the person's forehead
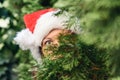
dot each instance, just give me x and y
(53, 33)
(56, 32)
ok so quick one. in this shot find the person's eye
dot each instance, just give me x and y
(48, 42)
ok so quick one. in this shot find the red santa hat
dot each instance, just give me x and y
(38, 25)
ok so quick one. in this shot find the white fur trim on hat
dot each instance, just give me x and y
(46, 23)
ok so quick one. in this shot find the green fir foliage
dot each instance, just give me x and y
(100, 22)
(79, 61)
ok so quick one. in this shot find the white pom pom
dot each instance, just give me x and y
(24, 39)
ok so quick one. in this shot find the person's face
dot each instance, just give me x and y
(52, 39)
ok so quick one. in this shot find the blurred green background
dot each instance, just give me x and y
(99, 20)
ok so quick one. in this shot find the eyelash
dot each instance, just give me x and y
(48, 42)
